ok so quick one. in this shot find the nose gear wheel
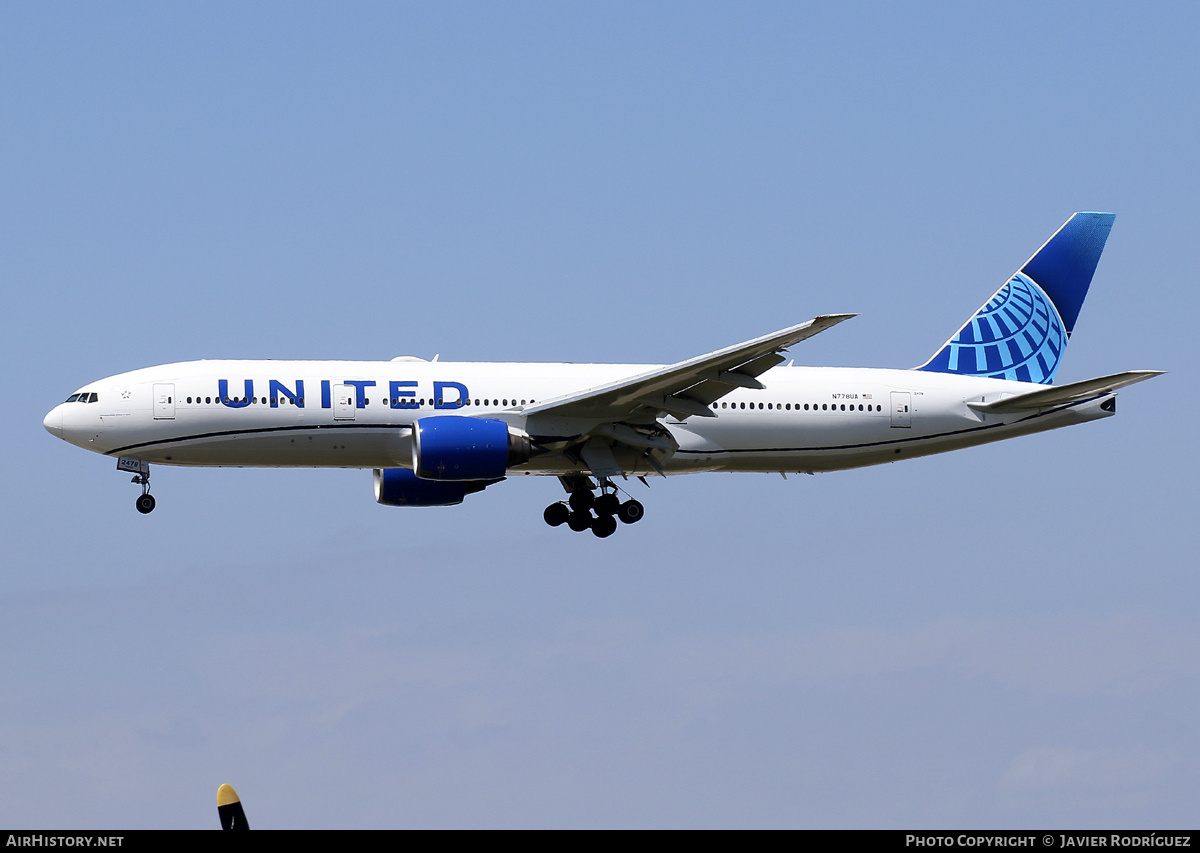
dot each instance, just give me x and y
(145, 501)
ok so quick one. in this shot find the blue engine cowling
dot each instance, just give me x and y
(456, 448)
(401, 487)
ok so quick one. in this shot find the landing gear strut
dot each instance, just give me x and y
(577, 511)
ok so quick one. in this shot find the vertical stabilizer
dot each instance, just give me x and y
(1022, 331)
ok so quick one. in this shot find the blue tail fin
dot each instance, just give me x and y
(1022, 331)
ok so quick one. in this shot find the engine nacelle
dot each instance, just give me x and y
(401, 487)
(456, 448)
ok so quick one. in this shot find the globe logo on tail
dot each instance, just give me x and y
(1016, 335)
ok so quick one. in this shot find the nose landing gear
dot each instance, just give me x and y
(141, 476)
(577, 511)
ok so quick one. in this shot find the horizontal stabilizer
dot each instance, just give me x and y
(1058, 395)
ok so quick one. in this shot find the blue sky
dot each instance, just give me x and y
(1003, 636)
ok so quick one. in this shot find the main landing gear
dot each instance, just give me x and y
(585, 510)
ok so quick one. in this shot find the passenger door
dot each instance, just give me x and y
(164, 401)
(343, 402)
(901, 409)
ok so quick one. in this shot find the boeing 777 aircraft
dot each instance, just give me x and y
(435, 432)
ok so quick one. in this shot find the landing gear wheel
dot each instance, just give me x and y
(608, 504)
(604, 526)
(579, 521)
(556, 514)
(581, 501)
(145, 504)
(631, 511)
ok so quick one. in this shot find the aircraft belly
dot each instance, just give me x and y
(819, 442)
(327, 447)
(833, 441)
(937, 434)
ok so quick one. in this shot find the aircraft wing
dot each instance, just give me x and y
(1057, 395)
(687, 388)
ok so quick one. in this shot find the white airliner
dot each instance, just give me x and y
(437, 431)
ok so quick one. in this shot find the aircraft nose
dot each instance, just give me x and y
(53, 422)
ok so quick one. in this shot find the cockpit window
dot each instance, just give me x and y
(86, 397)
(73, 398)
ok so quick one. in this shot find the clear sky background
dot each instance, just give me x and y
(999, 637)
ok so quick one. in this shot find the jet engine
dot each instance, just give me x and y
(401, 487)
(456, 448)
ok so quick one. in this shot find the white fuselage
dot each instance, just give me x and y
(359, 414)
